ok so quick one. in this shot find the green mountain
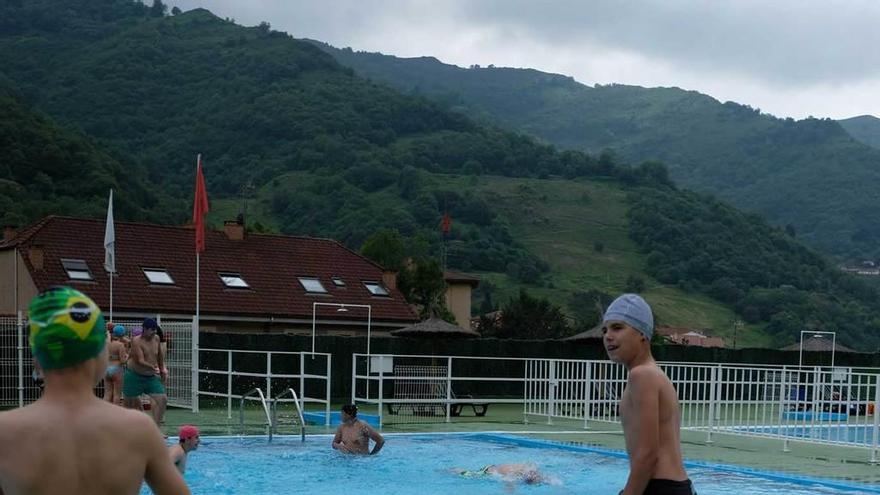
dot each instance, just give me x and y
(332, 154)
(864, 128)
(809, 174)
(46, 168)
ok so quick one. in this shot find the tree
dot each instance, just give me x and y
(422, 284)
(387, 248)
(158, 9)
(527, 317)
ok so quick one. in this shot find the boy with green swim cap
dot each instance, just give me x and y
(63, 442)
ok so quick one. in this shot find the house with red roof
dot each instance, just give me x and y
(248, 282)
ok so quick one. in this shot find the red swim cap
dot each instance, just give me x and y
(187, 431)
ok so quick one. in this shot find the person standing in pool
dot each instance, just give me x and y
(188, 440)
(353, 435)
(649, 408)
(117, 356)
(145, 366)
(65, 441)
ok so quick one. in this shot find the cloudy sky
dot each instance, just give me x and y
(791, 58)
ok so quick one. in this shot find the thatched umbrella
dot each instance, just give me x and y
(817, 344)
(593, 333)
(434, 327)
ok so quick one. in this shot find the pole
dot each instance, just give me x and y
(314, 307)
(111, 295)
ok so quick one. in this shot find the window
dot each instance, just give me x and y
(312, 285)
(234, 281)
(158, 276)
(77, 269)
(376, 288)
(338, 282)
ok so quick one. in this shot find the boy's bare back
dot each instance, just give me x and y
(82, 447)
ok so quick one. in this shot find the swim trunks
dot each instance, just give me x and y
(669, 487)
(136, 384)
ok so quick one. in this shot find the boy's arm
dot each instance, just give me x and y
(644, 430)
(376, 437)
(161, 475)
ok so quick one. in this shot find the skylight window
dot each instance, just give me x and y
(312, 285)
(376, 288)
(338, 282)
(158, 276)
(77, 269)
(234, 281)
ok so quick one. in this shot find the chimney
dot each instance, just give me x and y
(234, 229)
(35, 255)
(8, 232)
(389, 279)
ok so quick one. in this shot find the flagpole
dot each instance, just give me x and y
(111, 295)
(198, 162)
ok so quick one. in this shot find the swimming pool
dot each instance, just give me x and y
(421, 463)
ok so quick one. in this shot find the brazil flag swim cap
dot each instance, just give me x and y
(66, 328)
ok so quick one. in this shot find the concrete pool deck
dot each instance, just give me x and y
(803, 459)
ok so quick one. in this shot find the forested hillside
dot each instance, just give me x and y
(810, 174)
(130, 95)
(45, 169)
(864, 128)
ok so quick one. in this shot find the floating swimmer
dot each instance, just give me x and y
(527, 473)
(65, 441)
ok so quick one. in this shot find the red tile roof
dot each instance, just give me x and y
(270, 264)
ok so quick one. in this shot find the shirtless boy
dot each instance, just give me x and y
(649, 405)
(145, 367)
(353, 435)
(63, 442)
(188, 440)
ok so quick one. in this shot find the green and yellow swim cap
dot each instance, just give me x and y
(66, 328)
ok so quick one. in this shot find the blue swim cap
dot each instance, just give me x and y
(118, 331)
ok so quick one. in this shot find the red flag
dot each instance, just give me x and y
(446, 223)
(200, 207)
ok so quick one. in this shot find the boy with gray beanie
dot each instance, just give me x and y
(649, 408)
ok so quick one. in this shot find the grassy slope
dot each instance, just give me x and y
(554, 219)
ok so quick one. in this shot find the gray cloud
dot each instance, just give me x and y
(788, 57)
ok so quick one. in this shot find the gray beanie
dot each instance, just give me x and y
(632, 310)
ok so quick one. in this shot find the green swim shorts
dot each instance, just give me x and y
(135, 384)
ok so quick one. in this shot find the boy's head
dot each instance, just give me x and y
(66, 328)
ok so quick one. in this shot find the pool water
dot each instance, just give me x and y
(422, 464)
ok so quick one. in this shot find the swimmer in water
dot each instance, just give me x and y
(527, 473)
(188, 440)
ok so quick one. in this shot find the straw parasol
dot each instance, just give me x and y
(593, 333)
(434, 327)
(818, 345)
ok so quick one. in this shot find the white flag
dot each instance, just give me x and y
(110, 239)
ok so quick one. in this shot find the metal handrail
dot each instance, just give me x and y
(302, 421)
(262, 397)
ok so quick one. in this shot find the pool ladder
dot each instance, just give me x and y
(256, 392)
(299, 413)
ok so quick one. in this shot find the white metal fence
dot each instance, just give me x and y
(817, 405)
(420, 389)
(18, 386)
(229, 374)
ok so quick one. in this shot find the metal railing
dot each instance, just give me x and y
(262, 398)
(299, 411)
(309, 373)
(823, 405)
